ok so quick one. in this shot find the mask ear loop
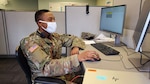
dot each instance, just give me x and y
(42, 35)
(42, 22)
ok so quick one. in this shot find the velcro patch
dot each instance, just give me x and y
(33, 48)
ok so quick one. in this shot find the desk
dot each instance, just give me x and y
(118, 62)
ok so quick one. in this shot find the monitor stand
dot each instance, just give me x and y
(138, 66)
(117, 42)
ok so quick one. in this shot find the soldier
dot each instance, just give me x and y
(43, 49)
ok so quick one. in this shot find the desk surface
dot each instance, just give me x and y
(118, 62)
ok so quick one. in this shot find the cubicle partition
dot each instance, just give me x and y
(3, 44)
(20, 24)
(78, 20)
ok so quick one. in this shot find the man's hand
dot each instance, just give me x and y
(88, 55)
(75, 50)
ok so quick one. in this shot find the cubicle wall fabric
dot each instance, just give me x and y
(78, 21)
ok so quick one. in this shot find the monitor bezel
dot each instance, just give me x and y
(123, 20)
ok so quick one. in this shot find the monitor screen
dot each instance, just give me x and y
(112, 19)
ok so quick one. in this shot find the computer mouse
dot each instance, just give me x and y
(97, 59)
(94, 60)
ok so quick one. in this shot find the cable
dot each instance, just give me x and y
(127, 55)
(127, 51)
(125, 66)
(141, 60)
(78, 76)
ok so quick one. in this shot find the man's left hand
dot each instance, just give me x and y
(75, 50)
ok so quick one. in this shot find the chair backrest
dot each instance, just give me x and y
(24, 65)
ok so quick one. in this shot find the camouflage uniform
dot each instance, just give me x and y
(44, 55)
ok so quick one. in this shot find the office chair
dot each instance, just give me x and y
(25, 67)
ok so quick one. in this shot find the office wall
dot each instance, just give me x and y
(44, 4)
(25, 5)
(105, 2)
(132, 21)
(30, 5)
(132, 12)
(101, 2)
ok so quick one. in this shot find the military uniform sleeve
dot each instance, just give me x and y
(60, 67)
(35, 55)
(72, 41)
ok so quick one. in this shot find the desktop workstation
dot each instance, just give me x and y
(121, 67)
(119, 64)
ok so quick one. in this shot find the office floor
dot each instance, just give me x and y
(11, 72)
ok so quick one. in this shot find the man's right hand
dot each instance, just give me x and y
(88, 55)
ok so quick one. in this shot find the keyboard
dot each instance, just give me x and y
(105, 49)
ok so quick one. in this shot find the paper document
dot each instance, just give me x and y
(103, 38)
(89, 41)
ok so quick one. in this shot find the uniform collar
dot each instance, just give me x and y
(42, 35)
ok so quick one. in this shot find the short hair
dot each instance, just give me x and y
(39, 13)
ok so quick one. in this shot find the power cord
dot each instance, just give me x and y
(127, 51)
(125, 66)
(73, 79)
(127, 55)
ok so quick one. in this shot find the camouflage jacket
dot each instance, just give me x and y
(44, 55)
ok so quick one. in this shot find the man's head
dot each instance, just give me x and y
(45, 20)
(44, 15)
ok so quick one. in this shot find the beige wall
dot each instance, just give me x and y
(23, 5)
(44, 4)
(101, 2)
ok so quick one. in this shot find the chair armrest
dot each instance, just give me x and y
(49, 80)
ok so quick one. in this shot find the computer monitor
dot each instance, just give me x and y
(140, 32)
(112, 21)
(139, 35)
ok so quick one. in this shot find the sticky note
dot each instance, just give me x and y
(101, 77)
(92, 70)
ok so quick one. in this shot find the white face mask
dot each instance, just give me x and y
(51, 26)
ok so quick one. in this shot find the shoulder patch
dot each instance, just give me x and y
(33, 48)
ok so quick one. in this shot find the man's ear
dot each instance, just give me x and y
(39, 24)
